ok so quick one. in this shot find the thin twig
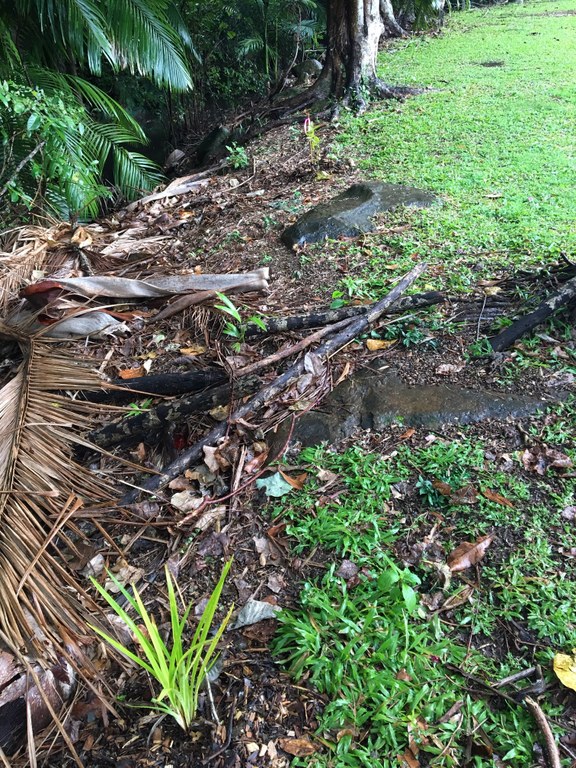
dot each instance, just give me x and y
(549, 742)
(229, 727)
(21, 165)
(524, 673)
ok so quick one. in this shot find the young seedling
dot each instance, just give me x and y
(236, 327)
(179, 669)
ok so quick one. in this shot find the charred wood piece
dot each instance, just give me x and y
(158, 385)
(565, 297)
(328, 316)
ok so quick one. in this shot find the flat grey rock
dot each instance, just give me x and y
(372, 400)
(350, 213)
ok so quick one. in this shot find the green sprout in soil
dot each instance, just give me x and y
(178, 667)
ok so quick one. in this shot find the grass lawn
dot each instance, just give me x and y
(495, 143)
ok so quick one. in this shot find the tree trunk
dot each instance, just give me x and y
(354, 29)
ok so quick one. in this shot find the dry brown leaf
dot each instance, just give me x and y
(299, 747)
(497, 497)
(131, 373)
(443, 488)
(408, 760)
(195, 349)
(256, 463)
(468, 554)
(81, 238)
(296, 482)
(460, 598)
(468, 494)
(539, 458)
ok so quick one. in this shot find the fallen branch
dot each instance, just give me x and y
(325, 317)
(149, 424)
(565, 296)
(267, 393)
(552, 754)
(162, 384)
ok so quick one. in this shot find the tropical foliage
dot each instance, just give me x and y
(49, 54)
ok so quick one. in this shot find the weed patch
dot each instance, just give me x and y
(369, 634)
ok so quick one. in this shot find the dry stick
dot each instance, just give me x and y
(327, 316)
(549, 743)
(566, 295)
(327, 349)
(292, 350)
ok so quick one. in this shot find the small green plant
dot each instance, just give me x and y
(338, 300)
(135, 409)
(179, 671)
(237, 156)
(480, 348)
(236, 327)
(313, 141)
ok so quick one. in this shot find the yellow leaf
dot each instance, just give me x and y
(565, 669)
(374, 344)
(196, 349)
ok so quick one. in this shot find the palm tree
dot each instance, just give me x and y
(50, 53)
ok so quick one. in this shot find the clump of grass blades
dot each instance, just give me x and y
(179, 670)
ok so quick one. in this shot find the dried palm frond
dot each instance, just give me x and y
(42, 486)
(24, 250)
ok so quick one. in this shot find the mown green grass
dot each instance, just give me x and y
(385, 663)
(496, 144)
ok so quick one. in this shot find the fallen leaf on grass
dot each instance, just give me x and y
(468, 554)
(296, 482)
(274, 485)
(565, 669)
(497, 497)
(409, 760)
(443, 488)
(465, 495)
(347, 570)
(297, 747)
(540, 458)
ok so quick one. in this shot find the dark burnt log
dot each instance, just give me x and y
(329, 316)
(148, 426)
(565, 297)
(158, 385)
(355, 327)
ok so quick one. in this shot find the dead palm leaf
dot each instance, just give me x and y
(41, 605)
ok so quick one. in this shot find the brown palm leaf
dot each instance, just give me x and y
(41, 488)
(25, 249)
